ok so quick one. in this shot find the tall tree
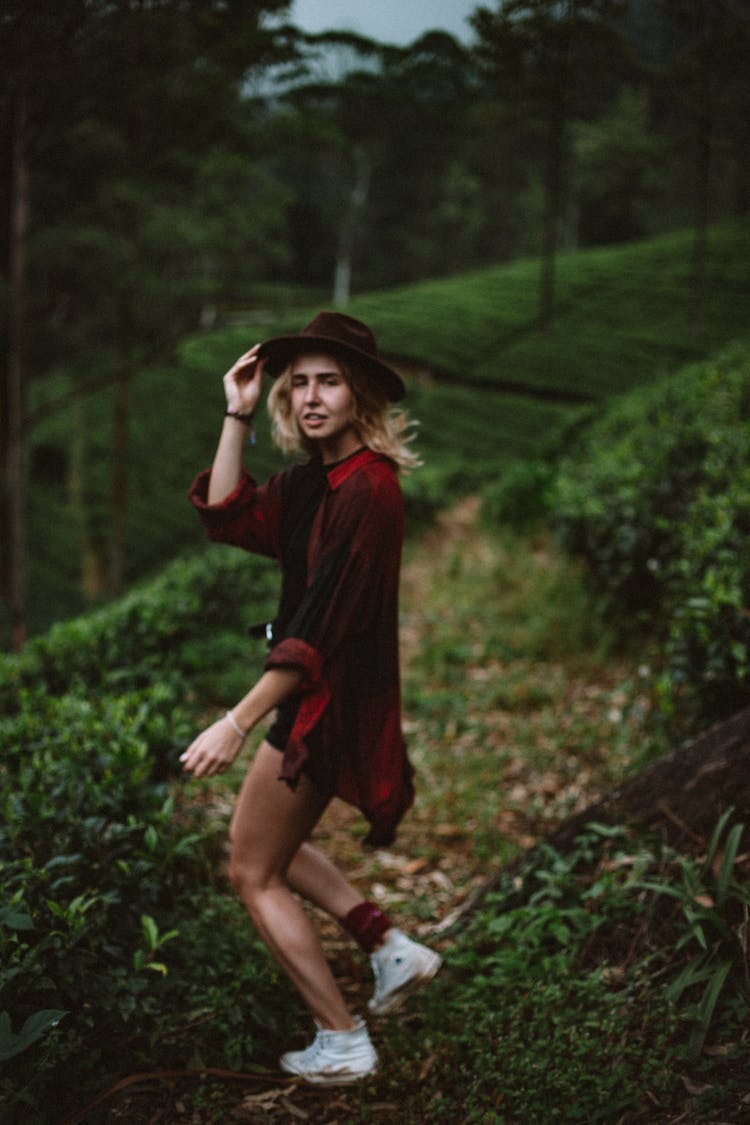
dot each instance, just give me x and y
(710, 76)
(32, 39)
(12, 431)
(369, 154)
(619, 170)
(558, 55)
(111, 110)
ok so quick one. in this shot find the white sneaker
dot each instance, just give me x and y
(334, 1058)
(400, 966)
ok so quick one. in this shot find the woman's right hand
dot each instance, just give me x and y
(243, 382)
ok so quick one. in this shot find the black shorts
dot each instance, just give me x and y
(278, 736)
(280, 729)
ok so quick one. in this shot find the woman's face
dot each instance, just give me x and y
(323, 404)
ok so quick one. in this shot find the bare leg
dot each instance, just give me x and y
(269, 826)
(313, 876)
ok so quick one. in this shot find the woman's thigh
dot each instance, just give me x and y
(271, 820)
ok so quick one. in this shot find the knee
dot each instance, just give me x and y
(241, 872)
(248, 876)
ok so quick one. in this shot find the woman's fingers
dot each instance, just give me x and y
(212, 752)
(243, 381)
(248, 365)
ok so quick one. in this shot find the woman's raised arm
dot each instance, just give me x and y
(242, 387)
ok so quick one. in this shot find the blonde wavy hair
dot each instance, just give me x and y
(381, 427)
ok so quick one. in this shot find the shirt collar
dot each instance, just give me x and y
(341, 472)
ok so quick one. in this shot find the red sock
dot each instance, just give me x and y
(367, 924)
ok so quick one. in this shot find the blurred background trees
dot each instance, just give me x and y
(175, 164)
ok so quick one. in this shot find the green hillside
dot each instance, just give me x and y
(624, 313)
(624, 317)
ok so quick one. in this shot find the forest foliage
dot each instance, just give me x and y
(103, 863)
(656, 498)
(174, 165)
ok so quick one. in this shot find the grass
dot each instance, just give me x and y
(624, 314)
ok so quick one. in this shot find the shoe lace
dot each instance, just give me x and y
(317, 1047)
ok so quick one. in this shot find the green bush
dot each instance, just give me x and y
(520, 497)
(657, 500)
(88, 851)
(148, 632)
(714, 902)
(115, 939)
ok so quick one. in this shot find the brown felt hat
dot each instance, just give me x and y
(340, 335)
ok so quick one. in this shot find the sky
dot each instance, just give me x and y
(390, 21)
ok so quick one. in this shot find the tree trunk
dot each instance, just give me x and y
(704, 124)
(92, 560)
(684, 792)
(13, 441)
(120, 445)
(551, 218)
(553, 176)
(342, 282)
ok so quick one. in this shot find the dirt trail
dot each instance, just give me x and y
(540, 733)
(398, 876)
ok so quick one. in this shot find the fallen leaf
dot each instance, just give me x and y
(440, 879)
(265, 1097)
(295, 1110)
(449, 831)
(720, 1050)
(695, 1088)
(426, 1067)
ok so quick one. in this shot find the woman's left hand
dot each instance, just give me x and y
(213, 751)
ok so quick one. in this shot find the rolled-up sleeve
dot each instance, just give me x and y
(248, 517)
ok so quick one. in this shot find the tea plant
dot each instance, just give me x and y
(107, 875)
(149, 634)
(657, 500)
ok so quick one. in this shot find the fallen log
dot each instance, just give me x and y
(681, 795)
(683, 792)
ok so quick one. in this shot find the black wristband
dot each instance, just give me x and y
(246, 419)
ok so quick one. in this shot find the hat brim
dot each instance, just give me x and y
(281, 350)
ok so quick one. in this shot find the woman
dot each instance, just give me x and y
(335, 523)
